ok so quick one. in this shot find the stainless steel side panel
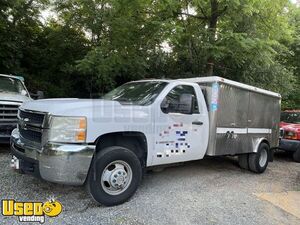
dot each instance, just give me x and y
(233, 107)
(237, 108)
(264, 112)
(231, 146)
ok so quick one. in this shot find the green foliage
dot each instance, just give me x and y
(89, 47)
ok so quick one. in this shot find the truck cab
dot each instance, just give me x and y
(107, 143)
(12, 94)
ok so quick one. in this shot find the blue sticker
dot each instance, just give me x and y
(214, 97)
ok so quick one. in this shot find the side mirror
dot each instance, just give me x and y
(23, 92)
(186, 104)
(165, 105)
(40, 94)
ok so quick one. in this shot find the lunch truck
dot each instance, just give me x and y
(107, 144)
(12, 94)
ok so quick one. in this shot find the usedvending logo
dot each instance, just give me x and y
(31, 211)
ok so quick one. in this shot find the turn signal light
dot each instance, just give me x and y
(80, 136)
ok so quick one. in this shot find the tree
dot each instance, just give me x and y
(19, 26)
(92, 46)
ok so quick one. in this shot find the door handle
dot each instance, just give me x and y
(197, 123)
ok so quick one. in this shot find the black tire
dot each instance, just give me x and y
(254, 159)
(243, 161)
(296, 156)
(100, 162)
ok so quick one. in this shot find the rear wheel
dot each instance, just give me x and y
(296, 156)
(114, 175)
(258, 161)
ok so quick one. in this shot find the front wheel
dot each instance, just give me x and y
(296, 156)
(258, 161)
(114, 175)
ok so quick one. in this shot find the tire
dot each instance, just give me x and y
(243, 161)
(258, 161)
(113, 168)
(296, 156)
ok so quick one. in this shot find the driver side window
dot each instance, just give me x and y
(172, 102)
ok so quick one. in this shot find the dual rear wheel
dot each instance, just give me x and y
(256, 162)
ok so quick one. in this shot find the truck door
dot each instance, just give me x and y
(181, 134)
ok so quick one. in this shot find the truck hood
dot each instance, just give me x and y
(13, 97)
(91, 108)
(290, 126)
(59, 106)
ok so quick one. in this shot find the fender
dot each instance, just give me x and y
(258, 141)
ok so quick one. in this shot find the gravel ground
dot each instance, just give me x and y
(210, 191)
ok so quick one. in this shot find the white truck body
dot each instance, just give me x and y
(165, 136)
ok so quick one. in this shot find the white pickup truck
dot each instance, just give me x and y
(107, 143)
(12, 94)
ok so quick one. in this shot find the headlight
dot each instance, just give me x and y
(67, 129)
(290, 135)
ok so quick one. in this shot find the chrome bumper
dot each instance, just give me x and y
(55, 162)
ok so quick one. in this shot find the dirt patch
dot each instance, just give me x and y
(288, 201)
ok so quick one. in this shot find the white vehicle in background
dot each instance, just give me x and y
(12, 94)
(107, 143)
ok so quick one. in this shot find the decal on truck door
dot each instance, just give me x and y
(177, 147)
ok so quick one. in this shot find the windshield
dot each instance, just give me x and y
(290, 117)
(136, 93)
(8, 84)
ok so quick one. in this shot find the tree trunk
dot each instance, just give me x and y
(213, 20)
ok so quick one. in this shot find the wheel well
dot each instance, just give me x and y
(270, 152)
(135, 141)
(257, 143)
(265, 141)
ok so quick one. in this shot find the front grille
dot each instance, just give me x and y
(8, 113)
(32, 118)
(34, 136)
(30, 126)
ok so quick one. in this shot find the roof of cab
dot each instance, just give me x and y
(13, 76)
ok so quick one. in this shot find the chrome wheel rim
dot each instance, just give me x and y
(263, 158)
(116, 177)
